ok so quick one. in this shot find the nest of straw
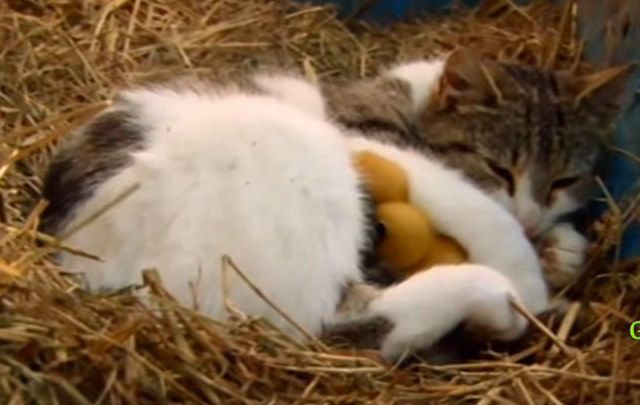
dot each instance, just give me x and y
(62, 59)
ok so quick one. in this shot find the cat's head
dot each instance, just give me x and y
(531, 137)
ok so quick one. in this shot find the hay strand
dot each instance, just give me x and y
(62, 61)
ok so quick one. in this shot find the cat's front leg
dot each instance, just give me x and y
(563, 252)
(416, 313)
(458, 209)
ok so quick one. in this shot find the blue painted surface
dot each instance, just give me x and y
(386, 11)
(622, 173)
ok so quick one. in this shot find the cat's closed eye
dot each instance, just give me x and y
(502, 173)
(564, 182)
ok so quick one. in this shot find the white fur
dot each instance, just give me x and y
(488, 232)
(525, 207)
(422, 77)
(294, 91)
(272, 185)
(241, 175)
(564, 254)
(535, 218)
(431, 303)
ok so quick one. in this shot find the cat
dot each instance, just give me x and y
(513, 130)
(173, 177)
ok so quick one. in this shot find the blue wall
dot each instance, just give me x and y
(622, 173)
(386, 11)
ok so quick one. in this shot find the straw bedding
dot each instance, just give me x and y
(61, 60)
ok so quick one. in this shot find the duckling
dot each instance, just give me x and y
(410, 242)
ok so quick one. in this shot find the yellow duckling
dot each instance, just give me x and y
(410, 243)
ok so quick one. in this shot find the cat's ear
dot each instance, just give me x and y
(469, 78)
(607, 89)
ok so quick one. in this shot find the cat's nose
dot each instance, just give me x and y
(531, 230)
(531, 226)
(530, 220)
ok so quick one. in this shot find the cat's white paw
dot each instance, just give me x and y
(428, 305)
(563, 254)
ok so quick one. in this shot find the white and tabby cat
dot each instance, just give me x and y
(257, 172)
(515, 131)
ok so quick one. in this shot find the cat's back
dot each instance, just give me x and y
(197, 173)
(188, 128)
